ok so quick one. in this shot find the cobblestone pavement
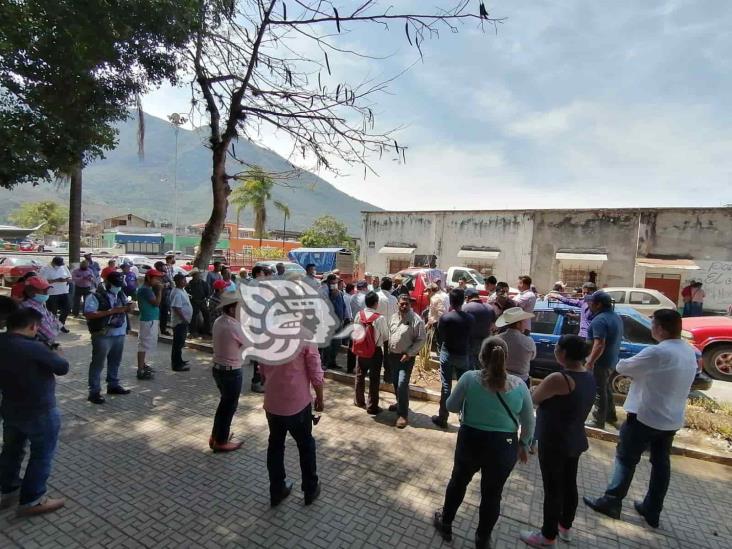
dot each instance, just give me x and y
(137, 472)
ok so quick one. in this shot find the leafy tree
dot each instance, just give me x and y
(52, 215)
(254, 192)
(326, 232)
(71, 69)
(250, 73)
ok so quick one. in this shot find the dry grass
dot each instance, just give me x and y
(709, 416)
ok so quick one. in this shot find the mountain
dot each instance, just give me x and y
(123, 183)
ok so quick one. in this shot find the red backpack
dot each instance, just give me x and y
(365, 347)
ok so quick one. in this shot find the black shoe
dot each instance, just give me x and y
(595, 424)
(392, 407)
(144, 374)
(119, 390)
(64, 329)
(481, 543)
(181, 369)
(641, 511)
(165, 332)
(334, 367)
(310, 498)
(185, 362)
(96, 398)
(602, 505)
(274, 501)
(374, 411)
(445, 530)
(149, 368)
(439, 422)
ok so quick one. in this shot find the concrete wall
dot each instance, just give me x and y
(613, 232)
(444, 234)
(695, 233)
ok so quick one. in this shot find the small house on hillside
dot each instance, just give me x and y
(127, 220)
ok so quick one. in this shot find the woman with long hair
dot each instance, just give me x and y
(493, 405)
(564, 399)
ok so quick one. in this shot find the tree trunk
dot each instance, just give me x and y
(215, 223)
(75, 216)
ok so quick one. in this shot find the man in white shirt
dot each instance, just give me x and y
(59, 277)
(181, 315)
(371, 365)
(526, 299)
(358, 300)
(662, 377)
(387, 307)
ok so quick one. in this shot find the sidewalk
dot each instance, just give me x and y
(137, 472)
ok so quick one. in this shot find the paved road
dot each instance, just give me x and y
(137, 472)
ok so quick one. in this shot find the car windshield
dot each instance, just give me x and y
(477, 276)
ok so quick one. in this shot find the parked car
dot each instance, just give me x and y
(12, 268)
(643, 300)
(27, 246)
(554, 320)
(290, 266)
(712, 335)
(61, 248)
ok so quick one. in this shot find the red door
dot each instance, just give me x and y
(668, 285)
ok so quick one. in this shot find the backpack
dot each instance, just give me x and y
(365, 347)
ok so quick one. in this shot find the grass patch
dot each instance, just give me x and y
(709, 416)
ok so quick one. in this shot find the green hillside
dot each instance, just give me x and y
(123, 183)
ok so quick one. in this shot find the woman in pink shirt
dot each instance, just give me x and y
(289, 403)
(228, 340)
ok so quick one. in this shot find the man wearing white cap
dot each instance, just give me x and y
(521, 348)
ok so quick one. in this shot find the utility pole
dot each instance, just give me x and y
(177, 120)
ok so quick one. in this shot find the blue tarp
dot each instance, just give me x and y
(323, 258)
(127, 238)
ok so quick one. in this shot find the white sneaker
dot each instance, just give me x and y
(565, 534)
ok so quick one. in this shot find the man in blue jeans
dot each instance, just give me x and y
(106, 317)
(455, 329)
(662, 376)
(29, 413)
(407, 335)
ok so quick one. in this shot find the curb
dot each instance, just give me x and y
(428, 395)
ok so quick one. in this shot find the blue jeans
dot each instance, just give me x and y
(635, 438)
(449, 364)
(300, 426)
(229, 385)
(179, 340)
(400, 374)
(42, 433)
(109, 349)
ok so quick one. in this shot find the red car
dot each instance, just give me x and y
(12, 268)
(712, 335)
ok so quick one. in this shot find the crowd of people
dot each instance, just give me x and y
(482, 342)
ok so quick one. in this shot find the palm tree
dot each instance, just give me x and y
(255, 191)
(282, 207)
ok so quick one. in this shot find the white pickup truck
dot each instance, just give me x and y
(472, 277)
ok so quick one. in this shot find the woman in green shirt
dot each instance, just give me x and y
(493, 404)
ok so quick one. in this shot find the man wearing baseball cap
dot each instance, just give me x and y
(106, 316)
(148, 300)
(606, 334)
(35, 296)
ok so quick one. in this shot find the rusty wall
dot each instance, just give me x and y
(613, 232)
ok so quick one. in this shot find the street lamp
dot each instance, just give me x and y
(177, 120)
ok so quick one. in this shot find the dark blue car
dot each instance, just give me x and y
(554, 319)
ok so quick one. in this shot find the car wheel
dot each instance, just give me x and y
(718, 361)
(620, 384)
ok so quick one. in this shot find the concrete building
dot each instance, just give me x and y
(659, 248)
(126, 221)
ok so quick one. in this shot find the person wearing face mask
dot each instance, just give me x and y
(106, 314)
(59, 277)
(339, 308)
(35, 296)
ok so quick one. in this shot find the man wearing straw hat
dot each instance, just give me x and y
(521, 348)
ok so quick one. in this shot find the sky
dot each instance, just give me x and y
(571, 104)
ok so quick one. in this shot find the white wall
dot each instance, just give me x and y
(717, 279)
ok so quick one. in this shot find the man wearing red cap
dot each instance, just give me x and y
(148, 300)
(35, 296)
(219, 287)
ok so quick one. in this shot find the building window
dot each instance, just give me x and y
(574, 277)
(396, 265)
